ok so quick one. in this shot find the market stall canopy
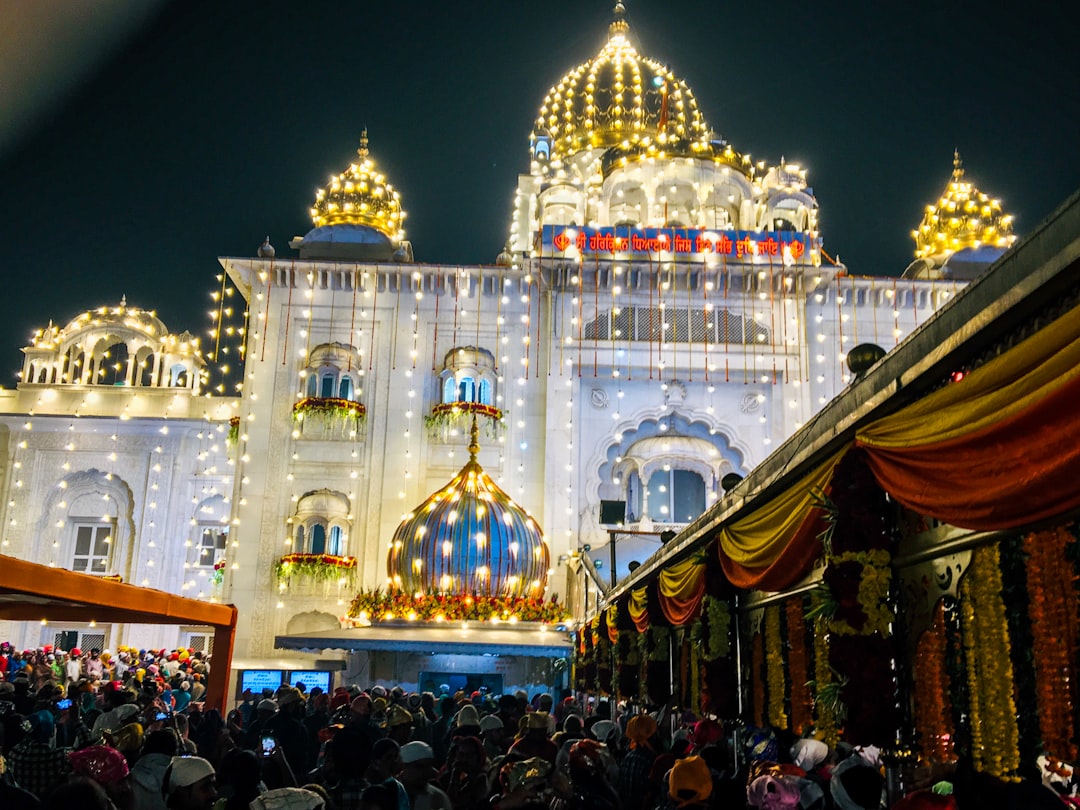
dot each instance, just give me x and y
(33, 592)
(528, 640)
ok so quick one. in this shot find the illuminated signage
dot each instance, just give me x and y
(788, 246)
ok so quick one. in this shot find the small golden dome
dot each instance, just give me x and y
(963, 217)
(360, 196)
(619, 97)
(469, 538)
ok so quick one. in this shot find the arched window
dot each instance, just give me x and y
(312, 385)
(449, 390)
(336, 541)
(298, 544)
(345, 389)
(327, 388)
(485, 392)
(466, 389)
(675, 496)
(318, 539)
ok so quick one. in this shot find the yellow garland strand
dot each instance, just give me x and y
(995, 738)
(824, 716)
(874, 587)
(774, 668)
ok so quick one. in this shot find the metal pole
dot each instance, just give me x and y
(611, 548)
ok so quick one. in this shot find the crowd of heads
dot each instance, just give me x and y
(123, 741)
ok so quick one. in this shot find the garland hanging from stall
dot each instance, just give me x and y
(774, 669)
(798, 668)
(994, 735)
(933, 702)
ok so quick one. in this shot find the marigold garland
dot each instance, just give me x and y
(710, 633)
(233, 436)
(995, 739)
(933, 705)
(774, 668)
(349, 413)
(1053, 614)
(801, 717)
(447, 415)
(322, 567)
(859, 583)
(381, 605)
(824, 685)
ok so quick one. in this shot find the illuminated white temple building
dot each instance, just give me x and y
(662, 315)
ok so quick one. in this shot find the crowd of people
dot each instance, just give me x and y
(128, 731)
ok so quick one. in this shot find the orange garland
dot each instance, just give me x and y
(933, 706)
(1053, 614)
(801, 717)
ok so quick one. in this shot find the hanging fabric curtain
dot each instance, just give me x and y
(612, 623)
(682, 587)
(776, 545)
(996, 450)
(639, 609)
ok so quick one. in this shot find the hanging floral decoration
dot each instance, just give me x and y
(774, 668)
(449, 415)
(346, 411)
(798, 665)
(1052, 610)
(217, 576)
(321, 567)
(829, 710)
(711, 632)
(233, 436)
(933, 702)
(856, 603)
(994, 735)
(378, 605)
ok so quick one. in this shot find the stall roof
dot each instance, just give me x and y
(476, 639)
(33, 592)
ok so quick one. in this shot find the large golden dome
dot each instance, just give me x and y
(469, 538)
(619, 97)
(360, 196)
(963, 217)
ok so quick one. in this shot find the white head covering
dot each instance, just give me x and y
(288, 798)
(808, 754)
(185, 772)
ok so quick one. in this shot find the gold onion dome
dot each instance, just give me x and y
(619, 97)
(962, 218)
(360, 196)
(469, 538)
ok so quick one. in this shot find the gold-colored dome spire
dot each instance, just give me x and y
(360, 196)
(619, 97)
(619, 25)
(963, 217)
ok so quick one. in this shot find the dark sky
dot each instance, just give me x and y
(213, 124)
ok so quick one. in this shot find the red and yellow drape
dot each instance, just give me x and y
(997, 450)
(682, 587)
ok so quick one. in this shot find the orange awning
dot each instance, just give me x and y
(32, 592)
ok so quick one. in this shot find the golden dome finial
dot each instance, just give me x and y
(619, 25)
(474, 440)
(363, 150)
(360, 195)
(963, 217)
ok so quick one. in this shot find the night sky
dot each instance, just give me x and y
(212, 123)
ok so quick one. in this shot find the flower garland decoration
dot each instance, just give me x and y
(344, 410)
(798, 667)
(447, 415)
(774, 668)
(859, 583)
(933, 705)
(1053, 618)
(381, 605)
(217, 576)
(994, 736)
(710, 633)
(828, 708)
(233, 436)
(321, 567)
